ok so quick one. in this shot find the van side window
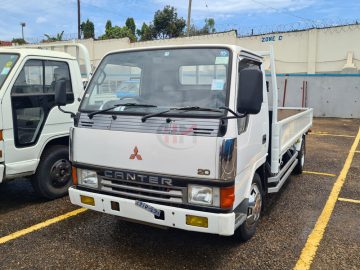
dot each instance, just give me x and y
(33, 97)
(56, 71)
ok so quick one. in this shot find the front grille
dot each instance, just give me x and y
(158, 125)
(144, 191)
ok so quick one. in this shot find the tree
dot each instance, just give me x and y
(130, 23)
(167, 24)
(19, 41)
(58, 37)
(108, 26)
(208, 28)
(118, 32)
(146, 32)
(88, 29)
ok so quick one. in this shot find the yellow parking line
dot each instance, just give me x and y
(309, 251)
(331, 135)
(40, 225)
(348, 200)
(320, 173)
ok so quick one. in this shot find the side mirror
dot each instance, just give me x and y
(250, 91)
(60, 93)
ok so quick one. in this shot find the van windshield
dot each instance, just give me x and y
(165, 78)
(7, 61)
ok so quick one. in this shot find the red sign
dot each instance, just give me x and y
(5, 43)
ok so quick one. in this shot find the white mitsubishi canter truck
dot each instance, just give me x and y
(184, 137)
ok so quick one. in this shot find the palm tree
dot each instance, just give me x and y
(58, 37)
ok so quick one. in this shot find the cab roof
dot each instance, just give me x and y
(235, 48)
(37, 52)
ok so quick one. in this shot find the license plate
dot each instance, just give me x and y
(148, 208)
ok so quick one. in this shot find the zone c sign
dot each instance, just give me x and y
(271, 38)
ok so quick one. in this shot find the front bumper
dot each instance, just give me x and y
(222, 224)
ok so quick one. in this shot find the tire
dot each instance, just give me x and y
(248, 228)
(300, 158)
(53, 175)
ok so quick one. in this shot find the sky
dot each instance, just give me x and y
(53, 16)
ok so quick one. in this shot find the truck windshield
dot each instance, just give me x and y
(7, 61)
(163, 78)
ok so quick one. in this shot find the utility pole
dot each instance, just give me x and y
(189, 18)
(78, 11)
(22, 29)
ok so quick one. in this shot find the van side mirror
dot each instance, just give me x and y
(250, 91)
(61, 96)
(60, 93)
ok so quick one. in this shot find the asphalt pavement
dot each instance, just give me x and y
(92, 240)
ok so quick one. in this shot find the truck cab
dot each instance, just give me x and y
(180, 136)
(34, 133)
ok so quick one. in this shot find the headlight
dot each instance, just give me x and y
(87, 178)
(203, 195)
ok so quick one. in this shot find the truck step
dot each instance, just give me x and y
(283, 175)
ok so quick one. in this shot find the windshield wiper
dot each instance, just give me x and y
(91, 115)
(235, 115)
(184, 109)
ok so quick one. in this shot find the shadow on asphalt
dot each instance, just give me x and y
(17, 194)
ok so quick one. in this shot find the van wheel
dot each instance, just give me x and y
(300, 158)
(53, 175)
(248, 228)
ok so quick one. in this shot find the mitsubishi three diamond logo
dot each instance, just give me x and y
(135, 155)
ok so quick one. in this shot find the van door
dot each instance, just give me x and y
(32, 99)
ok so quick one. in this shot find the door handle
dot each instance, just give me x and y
(264, 139)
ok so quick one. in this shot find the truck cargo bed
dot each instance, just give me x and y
(287, 112)
(291, 125)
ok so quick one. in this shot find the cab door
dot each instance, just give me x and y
(32, 99)
(252, 138)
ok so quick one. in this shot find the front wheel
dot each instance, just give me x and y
(248, 228)
(53, 175)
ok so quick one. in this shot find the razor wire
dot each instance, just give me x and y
(329, 26)
(332, 26)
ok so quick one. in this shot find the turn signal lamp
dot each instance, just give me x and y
(74, 175)
(1, 135)
(227, 197)
(197, 221)
(87, 200)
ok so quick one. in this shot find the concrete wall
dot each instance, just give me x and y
(99, 48)
(328, 50)
(329, 96)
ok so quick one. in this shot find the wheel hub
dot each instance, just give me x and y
(255, 203)
(60, 173)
